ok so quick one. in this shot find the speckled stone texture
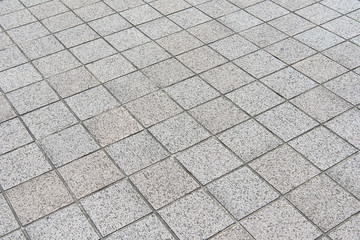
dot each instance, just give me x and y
(179, 119)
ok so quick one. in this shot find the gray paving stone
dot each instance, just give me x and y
(112, 126)
(324, 202)
(319, 38)
(16, 19)
(195, 59)
(290, 50)
(249, 140)
(233, 232)
(8, 222)
(347, 125)
(5, 41)
(348, 230)
(346, 86)
(259, 63)
(164, 182)
(179, 132)
(6, 112)
(130, 87)
(167, 72)
(68, 145)
(76, 35)
(294, 5)
(217, 8)
(29, 3)
(10, 6)
(347, 54)
(136, 152)
(244, 3)
(210, 31)
(345, 7)
(284, 168)
(13, 135)
(115, 207)
(49, 119)
(48, 9)
(343, 26)
(255, 98)
(140, 14)
(38, 197)
(242, 192)
(169, 6)
(73, 81)
(91, 102)
(111, 67)
(208, 160)
(290, 224)
(90, 173)
(189, 17)
(239, 21)
(320, 104)
(266, 10)
(218, 115)
(291, 24)
(226, 77)
(318, 13)
(145, 55)
(109, 24)
(196, 216)
(78, 3)
(18, 235)
(355, 15)
(322, 147)
(21, 165)
(191, 92)
(11, 57)
(179, 42)
(288, 82)
(146, 229)
(69, 223)
(159, 28)
(263, 35)
(28, 32)
(319, 68)
(126, 39)
(286, 121)
(92, 51)
(61, 21)
(56, 63)
(41, 47)
(93, 11)
(153, 108)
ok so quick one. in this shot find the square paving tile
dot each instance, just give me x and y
(290, 224)
(38, 197)
(153, 108)
(286, 121)
(347, 125)
(294, 5)
(28, 32)
(61, 21)
(73, 81)
(318, 13)
(322, 147)
(6, 111)
(259, 63)
(41, 47)
(111, 67)
(191, 92)
(109, 24)
(76, 35)
(12, 135)
(320, 103)
(21, 165)
(90, 173)
(195, 59)
(115, 207)
(91, 102)
(140, 14)
(233, 232)
(18, 234)
(242, 192)
(346, 7)
(167, 72)
(239, 21)
(319, 38)
(343, 26)
(226, 77)
(266, 10)
(179, 42)
(346, 86)
(112, 126)
(255, 98)
(69, 223)
(147, 229)
(163, 182)
(263, 35)
(189, 17)
(93, 11)
(196, 216)
(249, 140)
(291, 24)
(121, 5)
(130, 87)
(217, 8)
(319, 68)
(179, 132)
(218, 115)
(288, 82)
(68, 145)
(208, 160)
(210, 31)
(127, 39)
(347, 54)
(348, 230)
(284, 168)
(8, 222)
(92, 51)
(48, 9)
(11, 57)
(159, 28)
(169, 6)
(324, 202)
(136, 152)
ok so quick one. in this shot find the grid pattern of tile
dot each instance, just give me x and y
(179, 119)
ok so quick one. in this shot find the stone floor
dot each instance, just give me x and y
(180, 119)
